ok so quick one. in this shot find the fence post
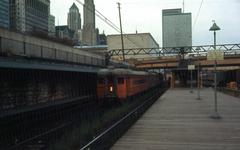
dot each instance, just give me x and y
(1, 51)
(41, 51)
(24, 48)
(67, 57)
(55, 54)
(84, 59)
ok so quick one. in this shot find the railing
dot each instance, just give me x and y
(55, 52)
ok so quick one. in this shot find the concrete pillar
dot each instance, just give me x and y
(173, 80)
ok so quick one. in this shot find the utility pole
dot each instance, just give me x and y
(120, 19)
(183, 6)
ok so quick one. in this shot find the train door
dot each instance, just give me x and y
(121, 87)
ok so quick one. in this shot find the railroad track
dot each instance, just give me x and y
(109, 136)
(37, 139)
(37, 125)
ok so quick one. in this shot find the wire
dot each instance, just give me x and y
(109, 22)
(194, 25)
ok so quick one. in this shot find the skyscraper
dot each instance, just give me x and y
(74, 19)
(30, 15)
(176, 28)
(89, 32)
(4, 13)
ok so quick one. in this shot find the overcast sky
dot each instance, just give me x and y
(146, 16)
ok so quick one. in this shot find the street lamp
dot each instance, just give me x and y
(215, 28)
(191, 68)
(198, 92)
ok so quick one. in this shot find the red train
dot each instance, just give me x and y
(121, 84)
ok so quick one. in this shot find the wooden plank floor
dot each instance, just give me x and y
(177, 121)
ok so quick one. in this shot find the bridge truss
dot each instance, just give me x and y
(229, 49)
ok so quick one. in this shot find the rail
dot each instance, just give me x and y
(50, 131)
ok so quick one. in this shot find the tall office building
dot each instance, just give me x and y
(89, 32)
(4, 13)
(176, 28)
(30, 15)
(74, 19)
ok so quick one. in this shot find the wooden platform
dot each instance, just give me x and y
(177, 121)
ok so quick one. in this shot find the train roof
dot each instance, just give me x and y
(121, 71)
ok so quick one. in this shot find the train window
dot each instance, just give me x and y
(120, 80)
(100, 80)
(139, 81)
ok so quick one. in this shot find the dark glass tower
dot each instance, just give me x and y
(30, 15)
(4, 14)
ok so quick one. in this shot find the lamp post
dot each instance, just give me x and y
(191, 68)
(120, 20)
(198, 92)
(215, 28)
(191, 91)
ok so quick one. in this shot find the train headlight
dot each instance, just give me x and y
(111, 89)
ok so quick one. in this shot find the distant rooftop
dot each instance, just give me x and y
(172, 11)
(169, 12)
(136, 34)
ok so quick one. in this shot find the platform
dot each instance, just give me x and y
(177, 121)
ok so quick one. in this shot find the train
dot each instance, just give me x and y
(119, 84)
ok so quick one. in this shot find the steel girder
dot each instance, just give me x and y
(162, 51)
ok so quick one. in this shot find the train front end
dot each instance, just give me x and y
(106, 90)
